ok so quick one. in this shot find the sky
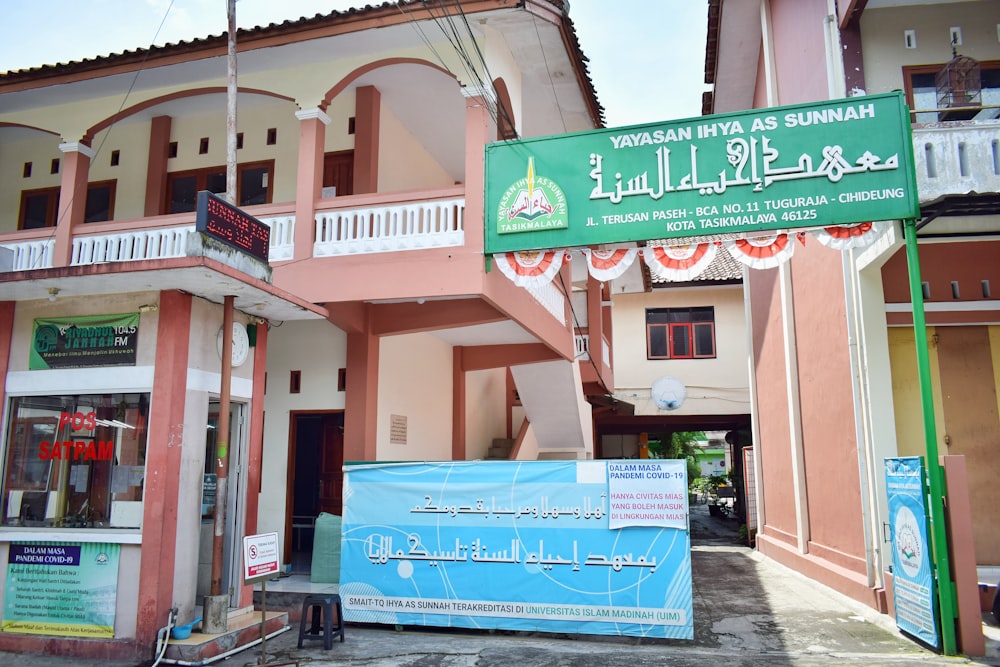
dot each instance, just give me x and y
(647, 57)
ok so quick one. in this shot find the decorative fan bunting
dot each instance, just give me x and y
(679, 262)
(842, 237)
(607, 265)
(762, 252)
(532, 268)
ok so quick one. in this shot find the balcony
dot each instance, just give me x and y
(381, 224)
(956, 158)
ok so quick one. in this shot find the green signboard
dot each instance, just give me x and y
(809, 165)
(85, 340)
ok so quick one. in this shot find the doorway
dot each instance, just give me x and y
(315, 480)
(235, 507)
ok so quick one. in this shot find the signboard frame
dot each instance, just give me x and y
(220, 220)
(746, 173)
(261, 556)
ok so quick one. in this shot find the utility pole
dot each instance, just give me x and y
(216, 608)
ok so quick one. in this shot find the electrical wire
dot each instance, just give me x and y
(107, 132)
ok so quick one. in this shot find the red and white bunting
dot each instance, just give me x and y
(762, 252)
(842, 237)
(605, 265)
(679, 262)
(531, 268)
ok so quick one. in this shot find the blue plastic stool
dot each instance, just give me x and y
(322, 607)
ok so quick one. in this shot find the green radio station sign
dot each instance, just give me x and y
(84, 340)
(809, 165)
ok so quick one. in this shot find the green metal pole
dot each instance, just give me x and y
(939, 536)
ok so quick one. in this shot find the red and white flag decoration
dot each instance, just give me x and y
(679, 262)
(531, 268)
(842, 237)
(605, 265)
(762, 252)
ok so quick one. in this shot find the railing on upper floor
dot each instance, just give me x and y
(956, 158)
(409, 226)
(341, 231)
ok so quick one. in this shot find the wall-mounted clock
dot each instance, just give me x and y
(241, 344)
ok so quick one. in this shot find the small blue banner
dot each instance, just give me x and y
(519, 545)
(912, 576)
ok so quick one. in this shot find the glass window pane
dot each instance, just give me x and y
(36, 211)
(183, 194)
(704, 340)
(216, 183)
(657, 342)
(98, 204)
(680, 341)
(253, 186)
(75, 461)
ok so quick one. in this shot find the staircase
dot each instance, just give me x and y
(500, 450)
(242, 632)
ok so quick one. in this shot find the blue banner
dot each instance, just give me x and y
(912, 576)
(519, 545)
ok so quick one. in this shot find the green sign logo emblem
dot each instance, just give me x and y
(531, 204)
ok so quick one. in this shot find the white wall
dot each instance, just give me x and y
(714, 386)
(415, 382)
(317, 349)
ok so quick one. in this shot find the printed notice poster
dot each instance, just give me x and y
(512, 545)
(648, 493)
(61, 589)
(913, 581)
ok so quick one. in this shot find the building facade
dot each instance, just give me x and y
(834, 358)
(372, 328)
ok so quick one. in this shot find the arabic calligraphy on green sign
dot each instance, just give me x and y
(814, 165)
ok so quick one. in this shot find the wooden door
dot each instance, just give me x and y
(338, 172)
(331, 463)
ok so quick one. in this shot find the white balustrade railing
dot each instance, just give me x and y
(28, 255)
(431, 224)
(282, 237)
(605, 352)
(549, 296)
(957, 158)
(130, 246)
(582, 342)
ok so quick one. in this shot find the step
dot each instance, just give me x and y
(242, 632)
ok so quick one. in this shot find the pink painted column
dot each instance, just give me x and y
(361, 402)
(477, 134)
(156, 166)
(72, 198)
(309, 179)
(367, 125)
(163, 462)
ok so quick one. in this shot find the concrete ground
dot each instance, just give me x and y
(748, 611)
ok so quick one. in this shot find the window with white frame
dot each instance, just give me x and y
(75, 461)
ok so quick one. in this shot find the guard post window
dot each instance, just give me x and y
(680, 333)
(75, 461)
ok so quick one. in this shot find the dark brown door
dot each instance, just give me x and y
(338, 172)
(331, 463)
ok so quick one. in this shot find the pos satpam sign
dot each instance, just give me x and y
(260, 556)
(809, 165)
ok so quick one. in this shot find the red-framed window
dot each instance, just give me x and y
(680, 333)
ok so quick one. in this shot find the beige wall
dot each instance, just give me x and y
(39, 149)
(484, 410)
(714, 386)
(415, 382)
(403, 163)
(885, 52)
